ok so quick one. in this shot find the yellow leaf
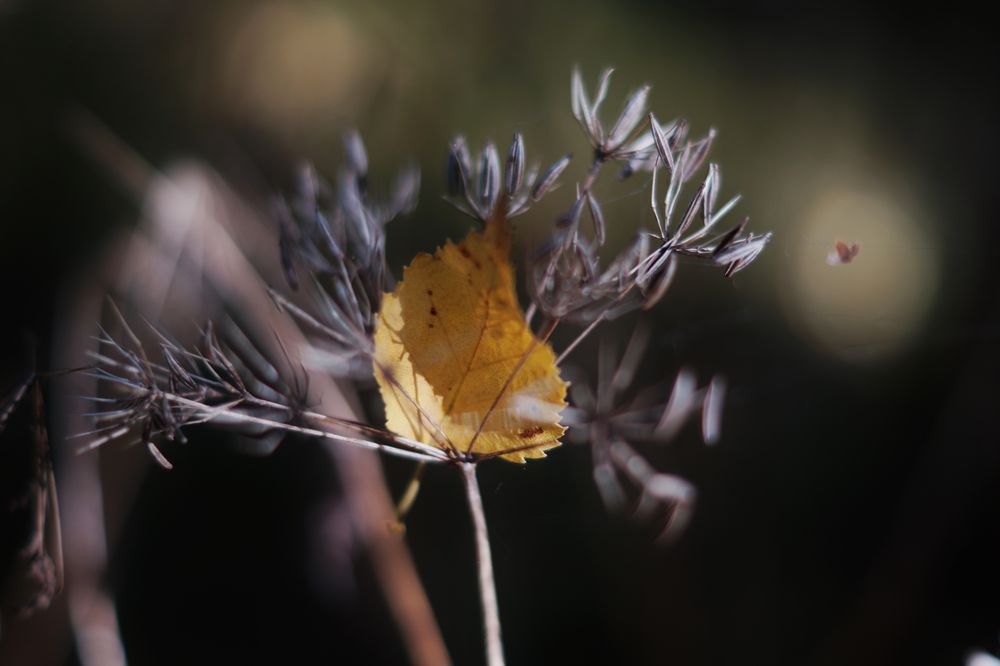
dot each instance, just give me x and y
(453, 340)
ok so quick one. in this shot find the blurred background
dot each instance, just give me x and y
(851, 511)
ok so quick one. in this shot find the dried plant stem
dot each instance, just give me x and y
(410, 494)
(590, 327)
(583, 191)
(226, 412)
(580, 338)
(484, 562)
(591, 178)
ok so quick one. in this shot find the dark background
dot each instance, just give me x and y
(851, 511)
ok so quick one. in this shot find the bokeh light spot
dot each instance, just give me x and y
(298, 65)
(870, 308)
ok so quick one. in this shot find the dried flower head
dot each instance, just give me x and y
(567, 279)
(360, 324)
(478, 189)
(613, 143)
(336, 236)
(614, 427)
(332, 246)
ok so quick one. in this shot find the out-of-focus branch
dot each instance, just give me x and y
(86, 534)
(211, 229)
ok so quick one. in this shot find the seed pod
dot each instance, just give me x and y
(514, 169)
(548, 179)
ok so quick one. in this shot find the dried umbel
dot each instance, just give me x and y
(613, 425)
(335, 236)
(567, 278)
(466, 375)
(477, 188)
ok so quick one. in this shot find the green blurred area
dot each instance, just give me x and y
(849, 515)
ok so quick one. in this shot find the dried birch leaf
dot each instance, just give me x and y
(453, 337)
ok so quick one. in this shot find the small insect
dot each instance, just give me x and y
(842, 253)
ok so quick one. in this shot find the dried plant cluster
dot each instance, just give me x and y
(332, 247)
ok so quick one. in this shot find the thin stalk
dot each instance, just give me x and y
(530, 314)
(585, 188)
(410, 494)
(591, 178)
(590, 327)
(484, 563)
(219, 413)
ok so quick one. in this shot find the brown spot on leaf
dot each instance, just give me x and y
(468, 255)
(526, 433)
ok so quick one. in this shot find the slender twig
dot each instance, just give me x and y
(484, 562)
(590, 327)
(579, 338)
